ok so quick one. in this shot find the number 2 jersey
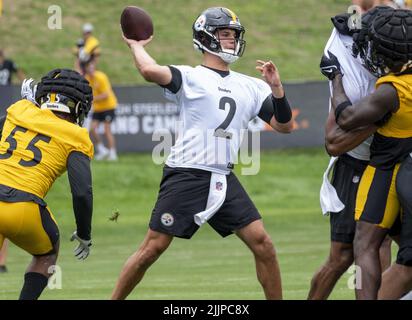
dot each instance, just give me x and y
(215, 109)
(35, 145)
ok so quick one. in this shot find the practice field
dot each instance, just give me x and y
(286, 191)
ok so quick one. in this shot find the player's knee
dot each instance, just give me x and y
(264, 247)
(363, 248)
(386, 244)
(149, 254)
(343, 259)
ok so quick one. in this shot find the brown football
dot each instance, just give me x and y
(136, 23)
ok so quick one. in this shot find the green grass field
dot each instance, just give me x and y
(206, 267)
(293, 33)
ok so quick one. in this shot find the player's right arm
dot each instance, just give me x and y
(339, 141)
(147, 66)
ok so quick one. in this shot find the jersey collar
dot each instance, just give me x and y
(222, 73)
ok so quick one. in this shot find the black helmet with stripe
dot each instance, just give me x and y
(66, 91)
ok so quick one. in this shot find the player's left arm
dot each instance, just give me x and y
(80, 179)
(372, 109)
(275, 110)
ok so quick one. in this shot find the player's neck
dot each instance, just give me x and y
(214, 62)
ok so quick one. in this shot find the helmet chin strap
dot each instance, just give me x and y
(227, 55)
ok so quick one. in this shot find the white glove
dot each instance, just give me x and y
(83, 55)
(28, 90)
(83, 249)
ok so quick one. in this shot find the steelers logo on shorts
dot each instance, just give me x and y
(167, 219)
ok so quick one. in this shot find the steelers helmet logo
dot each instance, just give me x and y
(200, 23)
(355, 179)
(167, 219)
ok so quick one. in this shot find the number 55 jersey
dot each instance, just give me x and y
(34, 147)
(215, 110)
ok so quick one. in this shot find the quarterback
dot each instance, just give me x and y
(198, 185)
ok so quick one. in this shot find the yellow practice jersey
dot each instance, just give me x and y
(393, 141)
(91, 47)
(100, 84)
(35, 145)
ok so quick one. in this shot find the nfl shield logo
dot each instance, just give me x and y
(219, 186)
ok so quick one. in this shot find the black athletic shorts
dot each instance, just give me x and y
(184, 193)
(346, 176)
(104, 116)
(404, 190)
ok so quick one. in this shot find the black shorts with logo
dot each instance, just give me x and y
(184, 193)
(346, 177)
(104, 116)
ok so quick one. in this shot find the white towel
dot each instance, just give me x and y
(329, 200)
(217, 195)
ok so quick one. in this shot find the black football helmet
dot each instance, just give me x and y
(205, 39)
(67, 91)
(384, 45)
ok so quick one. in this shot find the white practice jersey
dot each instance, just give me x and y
(214, 114)
(357, 81)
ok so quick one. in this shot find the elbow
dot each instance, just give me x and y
(283, 127)
(147, 73)
(345, 120)
(287, 130)
(344, 124)
(332, 148)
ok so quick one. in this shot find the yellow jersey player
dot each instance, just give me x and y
(41, 138)
(87, 47)
(104, 105)
(384, 48)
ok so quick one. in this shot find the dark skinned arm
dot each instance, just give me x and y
(339, 141)
(366, 111)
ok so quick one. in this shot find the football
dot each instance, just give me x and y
(136, 23)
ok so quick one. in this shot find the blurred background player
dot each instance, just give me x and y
(41, 138)
(203, 93)
(381, 49)
(352, 161)
(7, 69)
(104, 105)
(87, 47)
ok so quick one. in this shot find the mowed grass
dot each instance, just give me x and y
(292, 33)
(286, 192)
